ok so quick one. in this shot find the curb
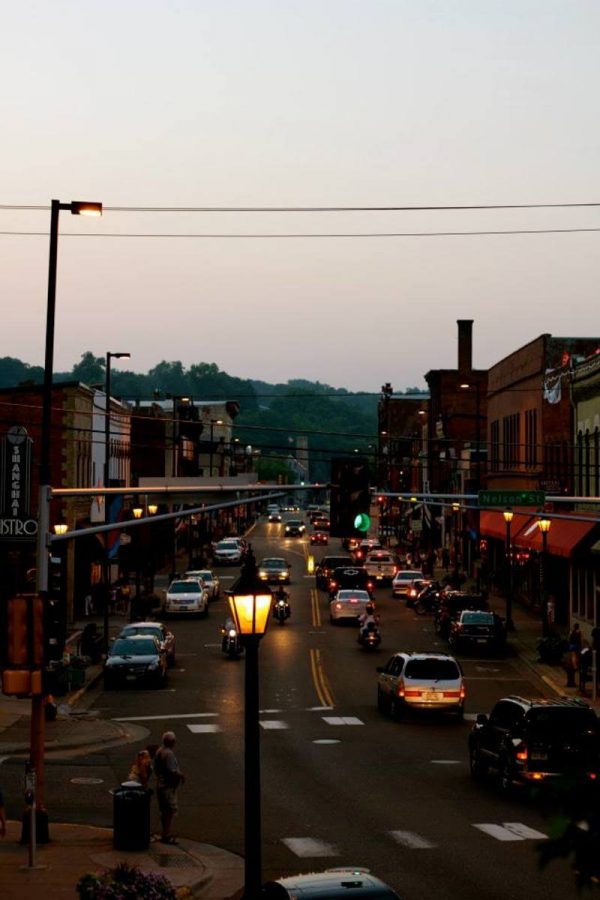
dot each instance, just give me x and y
(123, 737)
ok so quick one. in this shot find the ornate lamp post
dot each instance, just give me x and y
(250, 603)
(544, 526)
(508, 517)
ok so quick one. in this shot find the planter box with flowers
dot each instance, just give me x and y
(127, 882)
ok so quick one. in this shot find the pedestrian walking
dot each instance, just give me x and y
(574, 649)
(168, 779)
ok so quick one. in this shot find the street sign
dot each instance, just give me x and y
(512, 498)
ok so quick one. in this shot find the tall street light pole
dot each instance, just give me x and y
(250, 603)
(76, 208)
(544, 526)
(508, 517)
(110, 355)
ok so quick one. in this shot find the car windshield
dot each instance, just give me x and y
(227, 545)
(294, 522)
(564, 722)
(272, 564)
(206, 576)
(477, 618)
(133, 647)
(432, 669)
(184, 587)
(408, 576)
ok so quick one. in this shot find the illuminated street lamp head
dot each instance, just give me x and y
(137, 512)
(250, 600)
(152, 509)
(465, 386)
(544, 525)
(456, 507)
(61, 528)
(508, 515)
(85, 208)
(119, 355)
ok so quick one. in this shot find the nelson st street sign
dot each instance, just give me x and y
(16, 523)
(512, 498)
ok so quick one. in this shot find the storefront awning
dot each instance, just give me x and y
(492, 524)
(563, 537)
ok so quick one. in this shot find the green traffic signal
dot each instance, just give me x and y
(362, 522)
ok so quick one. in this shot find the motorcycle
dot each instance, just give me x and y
(281, 609)
(230, 643)
(369, 638)
(427, 600)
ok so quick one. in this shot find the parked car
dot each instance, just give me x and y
(477, 628)
(348, 605)
(185, 596)
(529, 741)
(294, 528)
(165, 638)
(209, 579)
(325, 567)
(319, 537)
(333, 883)
(274, 569)
(227, 553)
(451, 603)
(350, 577)
(135, 660)
(425, 681)
(381, 566)
(403, 581)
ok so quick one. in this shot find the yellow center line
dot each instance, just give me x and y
(320, 679)
(316, 612)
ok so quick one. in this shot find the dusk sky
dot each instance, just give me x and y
(250, 103)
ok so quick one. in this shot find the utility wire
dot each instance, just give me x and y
(303, 235)
(324, 209)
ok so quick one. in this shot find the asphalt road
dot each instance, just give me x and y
(341, 784)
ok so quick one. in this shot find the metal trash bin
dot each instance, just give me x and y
(131, 816)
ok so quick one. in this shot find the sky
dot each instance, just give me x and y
(188, 104)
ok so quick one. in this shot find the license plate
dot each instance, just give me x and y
(433, 695)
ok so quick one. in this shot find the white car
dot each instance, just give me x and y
(403, 581)
(186, 595)
(209, 579)
(381, 566)
(227, 553)
(432, 681)
(348, 605)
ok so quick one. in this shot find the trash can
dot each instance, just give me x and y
(131, 816)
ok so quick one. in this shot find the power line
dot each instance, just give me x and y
(305, 235)
(325, 209)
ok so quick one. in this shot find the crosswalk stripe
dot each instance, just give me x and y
(510, 831)
(204, 729)
(411, 841)
(307, 846)
(273, 725)
(205, 715)
(342, 720)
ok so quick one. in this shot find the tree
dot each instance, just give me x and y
(91, 369)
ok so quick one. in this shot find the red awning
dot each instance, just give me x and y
(492, 524)
(563, 537)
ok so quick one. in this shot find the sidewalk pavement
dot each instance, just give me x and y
(206, 871)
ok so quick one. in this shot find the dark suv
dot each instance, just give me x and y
(532, 740)
(348, 578)
(324, 568)
(477, 629)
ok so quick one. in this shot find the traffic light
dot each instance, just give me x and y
(350, 498)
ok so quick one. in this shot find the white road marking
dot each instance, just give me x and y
(204, 729)
(173, 716)
(327, 741)
(211, 646)
(471, 717)
(87, 781)
(411, 840)
(318, 708)
(485, 669)
(342, 720)
(273, 725)
(269, 711)
(511, 831)
(306, 846)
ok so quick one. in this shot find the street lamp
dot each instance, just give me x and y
(508, 517)
(110, 355)
(76, 208)
(213, 422)
(250, 603)
(544, 526)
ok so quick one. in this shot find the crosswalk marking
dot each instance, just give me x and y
(273, 725)
(510, 831)
(204, 729)
(411, 840)
(342, 720)
(268, 712)
(205, 715)
(307, 846)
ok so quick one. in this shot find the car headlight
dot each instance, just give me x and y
(232, 633)
(153, 665)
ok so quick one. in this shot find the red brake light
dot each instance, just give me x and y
(401, 688)
(522, 754)
(338, 605)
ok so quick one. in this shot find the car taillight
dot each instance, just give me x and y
(453, 694)
(338, 605)
(395, 570)
(521, 754)
(463, 692)
(401, 689)
(413, 693)
(332, 584)
(370, 585)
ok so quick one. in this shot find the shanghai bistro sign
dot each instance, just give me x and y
(15, 487)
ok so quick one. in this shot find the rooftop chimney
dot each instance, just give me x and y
(465, 346)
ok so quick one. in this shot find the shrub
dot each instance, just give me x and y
(125, 882)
